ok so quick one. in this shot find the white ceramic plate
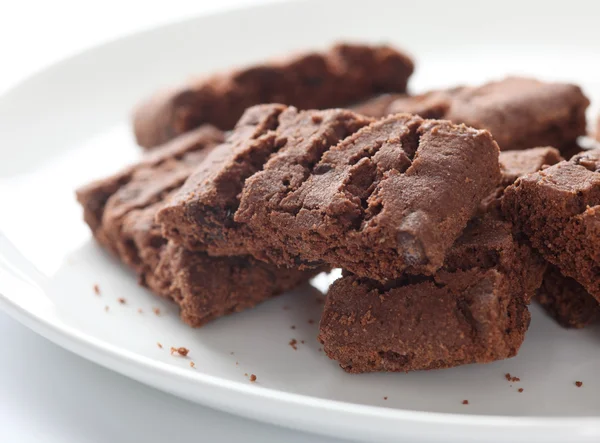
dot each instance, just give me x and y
(69, 124)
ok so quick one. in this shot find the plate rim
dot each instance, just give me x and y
(52, 328)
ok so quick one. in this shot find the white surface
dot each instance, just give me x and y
(63, 135)
(50, 395)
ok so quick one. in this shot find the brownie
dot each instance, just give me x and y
(558, 209)
(344, 74)
(391, 198)
(521, 113)
(201, 215)
(567, 301)
(204, 287)
(473, 310)
(121, 210)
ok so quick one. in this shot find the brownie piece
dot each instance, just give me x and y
(384, 201)
(473, 310)
(121, 211)
(201, 215)
(558, 209)
(567, 301)
(344, 74)
(521, 113)
(204, 287)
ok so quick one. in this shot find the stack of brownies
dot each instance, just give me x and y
(443, 240)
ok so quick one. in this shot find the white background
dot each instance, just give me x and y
(46, 393)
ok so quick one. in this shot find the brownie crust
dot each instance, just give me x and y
(521, 113)
(558, 209)
(474, 310)
(344, 74)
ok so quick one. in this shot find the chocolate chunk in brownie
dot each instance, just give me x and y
(201, 215)
(388, 199)
(121, 211)
(473, 310)
(558, 209)
(514, 164)
(521, 113)
(344, 74)
(567, 301)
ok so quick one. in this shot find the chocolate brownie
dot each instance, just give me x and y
(201, 215)
(344, 74)
(567, 301)
(558, 209)
(473, 310)
(514, 164)
(384, 201)
(521, 113)
(204, 287)
(121, 210)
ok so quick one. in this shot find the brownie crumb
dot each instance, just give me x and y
(578, 384)
(293, 327)
(121, 300)
(156, 311)
(465, 402)
(231, 353)
(106, 308)
(245, 374)
(385, 398)
(511, 378)
(293, 343)
(320, 349)
(302, 341)
(96, 289)
(520, 389)
(311, 322)
(192, 365)
(160, 346)
(252, 378)
(181, 351)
